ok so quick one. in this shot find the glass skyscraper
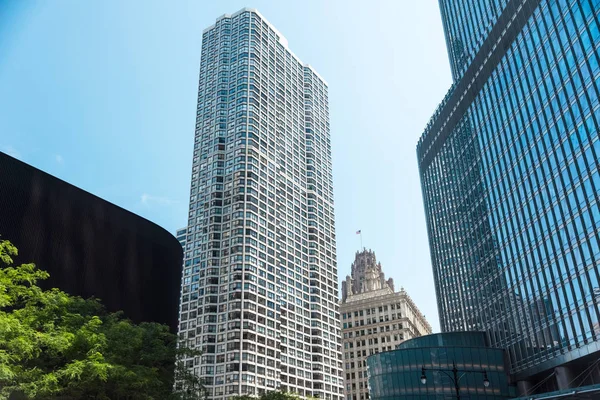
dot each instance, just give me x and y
(510, 176)
(259, 288)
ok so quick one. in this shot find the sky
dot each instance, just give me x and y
(102, 94)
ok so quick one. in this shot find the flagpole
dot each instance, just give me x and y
(361, 246)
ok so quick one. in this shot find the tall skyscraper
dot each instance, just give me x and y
(259, 291)
(509, 168)
(374, 319)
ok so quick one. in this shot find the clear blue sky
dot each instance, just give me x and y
(102, 94)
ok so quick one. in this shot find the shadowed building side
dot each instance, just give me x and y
(89, 246)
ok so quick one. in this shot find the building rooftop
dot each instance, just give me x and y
(280, 37)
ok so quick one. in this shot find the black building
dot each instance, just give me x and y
(89, 246)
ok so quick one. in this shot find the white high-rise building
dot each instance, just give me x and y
(259, 287)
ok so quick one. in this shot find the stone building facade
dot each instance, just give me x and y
(374, 319)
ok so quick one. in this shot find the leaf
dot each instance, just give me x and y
(57, 346)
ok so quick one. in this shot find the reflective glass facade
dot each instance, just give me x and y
(396, 374)
(510, 177)
(466, 25)
(259, 288)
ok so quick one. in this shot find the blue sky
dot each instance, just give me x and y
(102, 94)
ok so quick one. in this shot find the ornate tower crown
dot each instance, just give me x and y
(366, 276)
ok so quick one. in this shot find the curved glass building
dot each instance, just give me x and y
(510, 176)
(398, 374)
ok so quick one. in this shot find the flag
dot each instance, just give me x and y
(358, 232)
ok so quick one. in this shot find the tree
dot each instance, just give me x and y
(57, 346)
(188, 386)
(273, 395)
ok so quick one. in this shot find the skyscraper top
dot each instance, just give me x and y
(280, 38)
(366, 276)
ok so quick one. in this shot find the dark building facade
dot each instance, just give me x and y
(511, 184)
(89, 246)
(398, 374)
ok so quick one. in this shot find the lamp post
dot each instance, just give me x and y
(454, 377)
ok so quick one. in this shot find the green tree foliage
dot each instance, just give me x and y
(188, 386)
(57, 346)
(274, 395)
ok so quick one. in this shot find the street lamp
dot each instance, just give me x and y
(486, 381)
(454, 377)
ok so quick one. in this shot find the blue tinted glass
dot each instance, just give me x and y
(510, 180)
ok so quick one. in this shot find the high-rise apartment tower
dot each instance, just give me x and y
(259, 291)
(509, 168)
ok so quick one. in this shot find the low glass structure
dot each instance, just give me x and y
(481, 370)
